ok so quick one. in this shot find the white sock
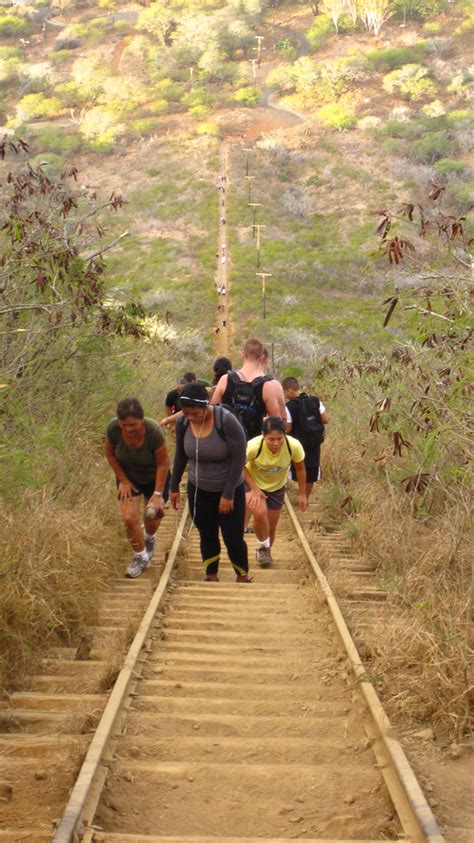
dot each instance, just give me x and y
(150, 538)
(264, 543)
(141, 554)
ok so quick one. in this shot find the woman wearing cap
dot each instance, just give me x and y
(268, 458)
(212, 441)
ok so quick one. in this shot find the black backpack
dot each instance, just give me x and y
(309, 425)
(245, 400)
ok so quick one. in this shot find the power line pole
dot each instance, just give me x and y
(254, 206)
(247, 149)
(253, 62)
(264, 276)
(259, 39)
(257, 228)
(249, 179)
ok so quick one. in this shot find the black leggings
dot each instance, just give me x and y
(207, 518)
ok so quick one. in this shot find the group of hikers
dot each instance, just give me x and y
(238, 437)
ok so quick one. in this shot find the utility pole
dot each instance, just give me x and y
(249, 179)
(247, 149)
(191, 76)
(253, 62)
(259, 39)
(257, 228)
(254, 206)
(264, 276)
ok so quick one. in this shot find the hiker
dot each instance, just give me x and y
(136, 451)
(220, 367)
(268, 458)
(249, 392)
(212, 441)
(223, 220)
(172, 398)
(308, 417)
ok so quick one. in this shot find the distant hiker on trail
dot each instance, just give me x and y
(249, 392)
(268, 458)
(223, 220)
(212, 441)
(136, 451)
(308, 417)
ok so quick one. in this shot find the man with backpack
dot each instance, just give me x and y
(249, 392)
(308, 417)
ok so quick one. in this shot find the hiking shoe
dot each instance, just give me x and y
(136, 567)
(243, 578)
(150, 547)
(211, 578)
(264, 557)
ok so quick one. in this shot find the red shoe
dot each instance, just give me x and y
(211, 578)
(243, 578)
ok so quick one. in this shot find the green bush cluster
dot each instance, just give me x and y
(320, 31)
(37, 105)
(59, 142)
(451, 168)
(395, 57)
(13, 27)
(410, 81)
(336, 116)
(433, 147)
(248, 95)
(417, 9)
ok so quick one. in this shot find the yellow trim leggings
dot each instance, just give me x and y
(204, 508)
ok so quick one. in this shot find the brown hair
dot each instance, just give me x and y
(254, 349)
(290, 383)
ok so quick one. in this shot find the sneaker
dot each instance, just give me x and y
(264, 557)
(150, 547)
(211, 578)
(243, 578)
(136, 567)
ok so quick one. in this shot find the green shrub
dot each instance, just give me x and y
(466, 26)
(158, 107)
(432, 28)
(51, 163)
(463, 195)
(197, 112)
(410, 80)
(336, 116)
(448, 167)
(281, 79)
(286, 48)
(211, 129)
(13, 27)
(461, 119)
(168, 90)
(247, 95)
(60, 56)
(433, 147)
(143, 127)
(417, 9)
(9, 69)
(37, 105)
(198, 96)
(320, 31)
(62, 143)
(71, 94)
(395, 57)
(10, 53)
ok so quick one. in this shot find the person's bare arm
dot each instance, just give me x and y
(221, 387)
(125, 487)
(301, 479)
(324, 417)
(274, 399)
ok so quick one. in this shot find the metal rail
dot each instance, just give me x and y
(414, 812)
(86, 792)
(416, 817)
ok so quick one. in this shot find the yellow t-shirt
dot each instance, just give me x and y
(270, 470)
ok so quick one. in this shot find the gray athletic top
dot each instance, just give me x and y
(220, 459)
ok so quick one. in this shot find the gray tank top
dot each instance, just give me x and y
(210, 470)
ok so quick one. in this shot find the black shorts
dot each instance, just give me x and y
(312, 473)
(147, 489)
(275, 500)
